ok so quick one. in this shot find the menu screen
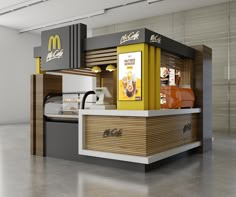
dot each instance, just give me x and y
(130, 76)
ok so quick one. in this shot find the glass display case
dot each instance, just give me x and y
(63, 106)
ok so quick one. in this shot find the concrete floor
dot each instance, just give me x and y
(21, 175)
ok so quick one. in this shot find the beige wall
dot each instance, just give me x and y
(214, 26)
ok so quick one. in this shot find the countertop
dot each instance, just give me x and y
(139, 113)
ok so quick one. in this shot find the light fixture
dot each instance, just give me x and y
(125, 4)
(110, 68)
(154, 1)
(96, 69)
(71, 20)
(68, 20)
(20, 6)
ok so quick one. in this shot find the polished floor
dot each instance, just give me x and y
(21, 175)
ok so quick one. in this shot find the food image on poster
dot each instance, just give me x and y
(168, 76)
(164, 76)
(130, 76)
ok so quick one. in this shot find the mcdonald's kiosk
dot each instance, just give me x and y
(161, 89)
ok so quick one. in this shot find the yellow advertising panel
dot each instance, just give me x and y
(130, 76)
(139, 77)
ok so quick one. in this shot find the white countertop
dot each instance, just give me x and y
(139, 113)
(75, 116)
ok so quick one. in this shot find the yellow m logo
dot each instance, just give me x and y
(54, 42)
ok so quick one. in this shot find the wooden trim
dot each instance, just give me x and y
(170, 60)
(100, 55)
(32, 115)
(187, 73)
(101, 51)
(44, 84)
(101, 59)
(184, 65)
(39, 120)
(109, 80)
(101, 63)
(134, 128)
(164, 133)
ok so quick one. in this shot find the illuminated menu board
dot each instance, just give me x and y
(130, 76)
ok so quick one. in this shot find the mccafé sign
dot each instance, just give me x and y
(55, 50)
(63, 47)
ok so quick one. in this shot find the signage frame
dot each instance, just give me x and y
(141, 75)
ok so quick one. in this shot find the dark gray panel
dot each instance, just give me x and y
(207, 99)
(168, 44)
(72, 48)
(61, 140)
(75, 46)
(114, 40)
(81, 32)
(58, 63)
(203, 94)
(139, 36)
(37, 52)
(72, 43)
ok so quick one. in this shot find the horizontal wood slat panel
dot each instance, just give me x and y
(140, 136)
(101, 57)
(187, 73)
(166, 132)
(170, 60)
(101, 63)
(101, 51)
(133, 128)
(184, 65)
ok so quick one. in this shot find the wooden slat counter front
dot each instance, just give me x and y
(138, 136)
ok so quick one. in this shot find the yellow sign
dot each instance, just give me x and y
(54, 48)
(54, 42)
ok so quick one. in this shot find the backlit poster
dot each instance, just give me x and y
(130, 76)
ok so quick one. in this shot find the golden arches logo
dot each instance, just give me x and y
(54, 48)
(54, 42)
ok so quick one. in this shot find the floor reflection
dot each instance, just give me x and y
(211, 175)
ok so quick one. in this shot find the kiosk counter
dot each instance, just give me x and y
(152, 98)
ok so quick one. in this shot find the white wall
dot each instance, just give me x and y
(214, 26)
(16, 66)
